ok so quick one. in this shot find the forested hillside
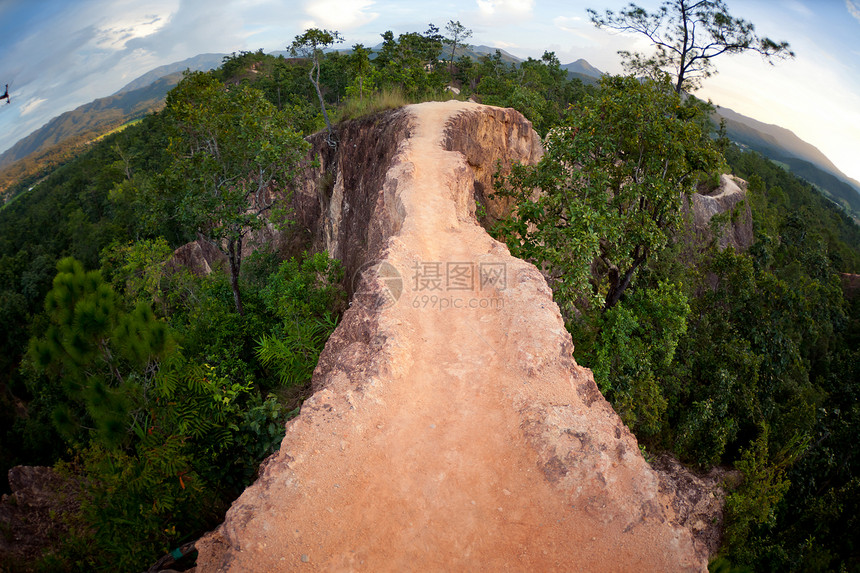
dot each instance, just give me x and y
(158, 392)
(799, 157)
(92, 119)
(64, 136)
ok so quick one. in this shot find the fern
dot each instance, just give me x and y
(294, 355)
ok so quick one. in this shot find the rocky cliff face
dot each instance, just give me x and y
(350, 213)
(490, 139)
(32, 515)
(850, 285)
(451, 428)
(200, 257)
(729, 198)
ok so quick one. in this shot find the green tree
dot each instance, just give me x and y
(764, 486)
(137, 269)
(307, 296)
(235, 66)
(234, 153)
(687, 35)
(311, 45)
(411, 62)
(635, 350)
(611, 184)
(99, 353)
(161, 442)
(457, 35)
(359, 61)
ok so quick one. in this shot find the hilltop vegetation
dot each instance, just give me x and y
(144, 383)
(146, 386)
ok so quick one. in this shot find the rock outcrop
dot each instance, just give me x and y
(200, 257)
(850, 285)
(31, 515)
(451, 428)
(729, 197)
(697, 498)
(490, 139)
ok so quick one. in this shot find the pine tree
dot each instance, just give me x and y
(97, 352)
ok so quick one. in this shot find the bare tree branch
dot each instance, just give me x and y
(687, 35)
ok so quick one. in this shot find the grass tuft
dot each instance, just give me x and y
(376, 102)
(388, 98)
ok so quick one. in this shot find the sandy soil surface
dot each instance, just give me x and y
(479, 446)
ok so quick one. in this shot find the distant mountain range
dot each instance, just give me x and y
(582, 68)
(579, 69)
(475, 52)
(803, 159)
(147, 93)
(136, 99)
(201, 62)
(93, 118)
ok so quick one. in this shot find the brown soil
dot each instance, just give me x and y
(452, 439)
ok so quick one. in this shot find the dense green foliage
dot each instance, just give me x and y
(613, 179)
(746, 359)
(163, 435)
(234, 154)
(143, 383)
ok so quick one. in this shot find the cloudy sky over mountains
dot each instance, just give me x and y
(59, 54)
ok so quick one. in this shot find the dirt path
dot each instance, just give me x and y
(480, 446)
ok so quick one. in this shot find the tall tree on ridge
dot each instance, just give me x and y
(360, 62)
(457, 34)
(311, 44)
(233, 152)
(687, 35)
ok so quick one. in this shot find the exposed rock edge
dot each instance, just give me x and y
(449, 439)
(729, 197)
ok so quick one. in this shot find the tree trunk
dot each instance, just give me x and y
(316, 82)
(235, 257)
(618, 287)
(682, 66)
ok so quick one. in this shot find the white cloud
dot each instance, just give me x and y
(505, 45)
(339, 14)
(31, 106)
(800, 8)
(853, 8)
(567, 23)
(116, 34)
(505, 9)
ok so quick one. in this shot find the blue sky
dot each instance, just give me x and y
(59, 54)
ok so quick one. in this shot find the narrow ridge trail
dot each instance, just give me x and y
(472, 442)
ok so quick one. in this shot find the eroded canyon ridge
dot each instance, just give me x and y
(451, 428)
